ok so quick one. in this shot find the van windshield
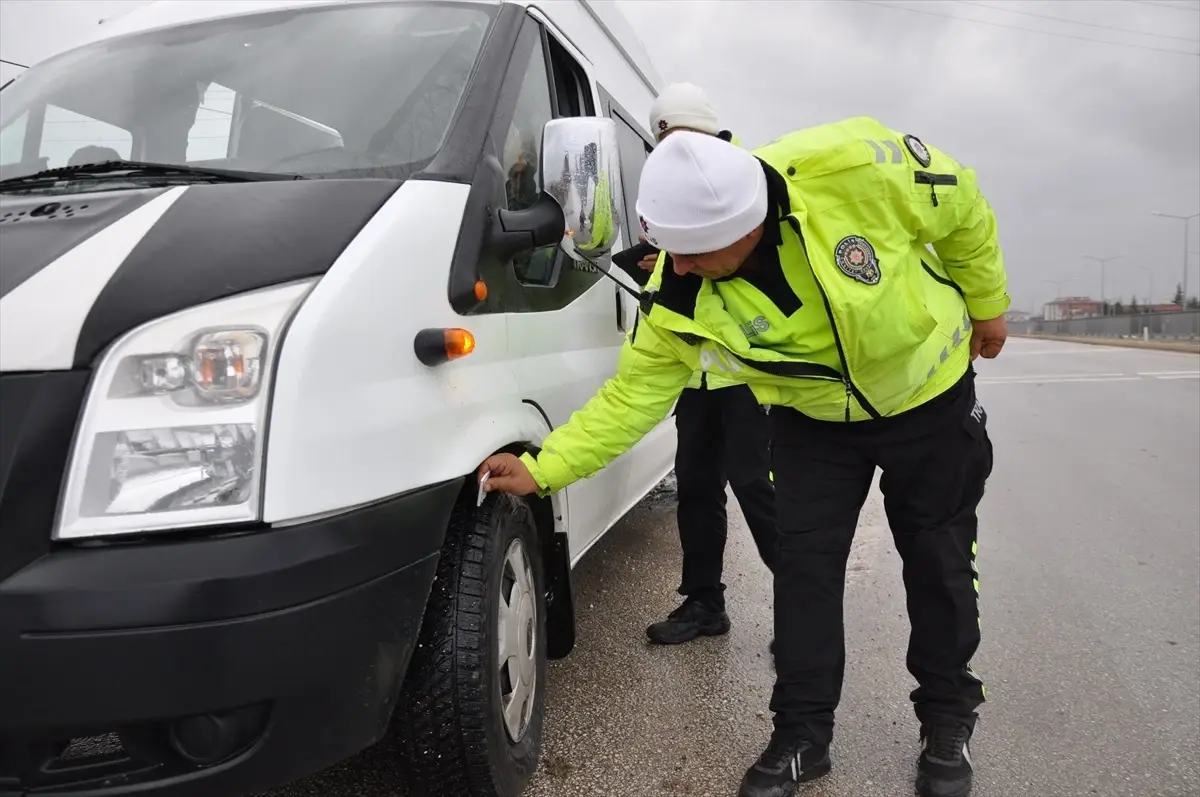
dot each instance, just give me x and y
(342, 91)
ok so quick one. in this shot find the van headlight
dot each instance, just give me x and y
(172, 431)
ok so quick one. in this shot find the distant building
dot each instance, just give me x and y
(1017, 316)
(1071, 307)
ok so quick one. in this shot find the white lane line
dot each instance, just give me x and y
(1052, 376)
(1081, 350)
(1179, 376)
(1060, 381)
(1168, 373)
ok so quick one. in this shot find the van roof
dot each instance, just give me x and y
(155, 14)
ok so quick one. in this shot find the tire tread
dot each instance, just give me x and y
(442, 717)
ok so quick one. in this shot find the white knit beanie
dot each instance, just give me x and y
(682, 105)
(699, 194)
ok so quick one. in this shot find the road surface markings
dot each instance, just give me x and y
(1027, 379)
(1014, 377)
(1080, 350)
(1059, 381)
(1175, 374)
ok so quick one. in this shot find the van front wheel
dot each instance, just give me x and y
(469, 719)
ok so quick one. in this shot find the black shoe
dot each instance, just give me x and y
(944, 768)
(694, 618)
(788, 761)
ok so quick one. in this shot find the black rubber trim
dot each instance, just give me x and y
(37, 230)
(949, 283)
(472, 150)
(327, 671)
(38, 416)
(459, 157)
(162, 581)
(220, 240)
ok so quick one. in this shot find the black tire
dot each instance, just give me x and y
(449, 721)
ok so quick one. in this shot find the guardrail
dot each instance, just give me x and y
(1151, 326)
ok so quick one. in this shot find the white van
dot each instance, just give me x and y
(275, 277)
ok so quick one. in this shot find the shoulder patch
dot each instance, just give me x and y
(918, 150)
(855, 256)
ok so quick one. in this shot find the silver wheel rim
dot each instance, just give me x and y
(517, 641)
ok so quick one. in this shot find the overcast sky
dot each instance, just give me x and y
(1075, 141)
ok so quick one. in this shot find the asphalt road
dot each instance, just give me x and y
(1090, 568)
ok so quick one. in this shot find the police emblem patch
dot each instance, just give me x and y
(855, 256)
(662, 125)
(918, 150)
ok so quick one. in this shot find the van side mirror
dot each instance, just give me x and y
(581, 200)
(582, 171)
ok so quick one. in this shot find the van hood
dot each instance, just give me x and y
(78, 271)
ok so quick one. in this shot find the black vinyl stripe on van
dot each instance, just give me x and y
(222, 240)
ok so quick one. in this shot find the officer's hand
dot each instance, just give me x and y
(508, 474)
(648, 262)
(988, 338)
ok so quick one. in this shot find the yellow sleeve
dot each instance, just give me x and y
(650, 376)
(947, 210)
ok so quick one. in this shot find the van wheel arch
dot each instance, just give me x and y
(556, 564)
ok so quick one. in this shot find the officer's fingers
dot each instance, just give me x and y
(647, 263)
(513, 485)
(642, 238)
(976, 346)
(498, 465)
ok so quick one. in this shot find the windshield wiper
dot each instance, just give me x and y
(124, 169)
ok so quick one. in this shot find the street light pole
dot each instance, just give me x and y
(1185, 220)
(1102, 261)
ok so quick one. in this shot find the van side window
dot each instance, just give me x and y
(633, 151)
(523, 144)
(571, 89)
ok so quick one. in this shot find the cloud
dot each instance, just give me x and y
(1075, 142)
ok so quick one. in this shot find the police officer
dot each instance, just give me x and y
(873, 261)
(723, 437)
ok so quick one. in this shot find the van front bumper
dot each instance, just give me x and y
(202, 665)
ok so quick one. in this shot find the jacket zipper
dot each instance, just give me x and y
(847, 380)
(949, 283)
(934, 180)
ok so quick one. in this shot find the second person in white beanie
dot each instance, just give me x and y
(724, 437)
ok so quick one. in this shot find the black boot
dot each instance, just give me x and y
(788, 760)
(944, 768)
(694, 618)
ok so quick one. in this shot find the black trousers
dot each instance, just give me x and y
(935, 460)
(724, 437)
